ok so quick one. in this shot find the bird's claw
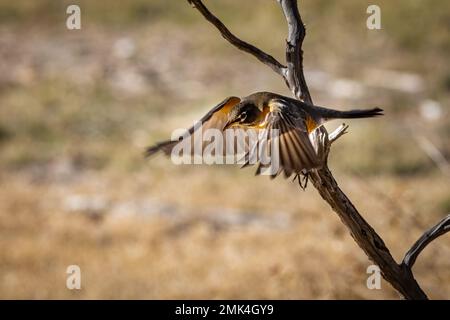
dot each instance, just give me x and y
(302, 178)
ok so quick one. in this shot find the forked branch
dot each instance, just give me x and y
(238, 43)
(398, 275)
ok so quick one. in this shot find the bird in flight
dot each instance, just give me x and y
(293, 120)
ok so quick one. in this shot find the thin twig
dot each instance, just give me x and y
(338, 132)
(436, 231)
(433, 152)
(235, 41)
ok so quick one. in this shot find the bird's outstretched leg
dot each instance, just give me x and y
(302, 178)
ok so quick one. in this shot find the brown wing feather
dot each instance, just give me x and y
(296, 152)
(215, 118)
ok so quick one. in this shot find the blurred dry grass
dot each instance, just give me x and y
(77, 108)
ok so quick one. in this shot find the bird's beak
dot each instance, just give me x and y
(229, 124)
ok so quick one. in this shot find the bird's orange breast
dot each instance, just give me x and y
(310, 124)
(260, 122)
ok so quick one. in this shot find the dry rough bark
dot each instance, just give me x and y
(400, 276)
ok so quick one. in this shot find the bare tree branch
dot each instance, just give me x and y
(323, 180)
(438, 230)
(338, 132)
(294, 53)
(235, 41)
(398, 275)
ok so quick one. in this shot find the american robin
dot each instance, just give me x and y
(294, 119)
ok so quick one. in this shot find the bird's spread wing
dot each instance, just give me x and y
(287, 135)
(282, 143)
(216, 118)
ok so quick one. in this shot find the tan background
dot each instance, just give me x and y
(78, 107)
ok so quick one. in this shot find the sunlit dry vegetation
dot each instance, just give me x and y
(77, 109)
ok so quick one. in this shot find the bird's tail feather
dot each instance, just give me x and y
(352, 114)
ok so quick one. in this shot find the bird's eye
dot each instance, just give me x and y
(243, 116)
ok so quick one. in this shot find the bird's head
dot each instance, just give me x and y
(244, 113)
(248, 111)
